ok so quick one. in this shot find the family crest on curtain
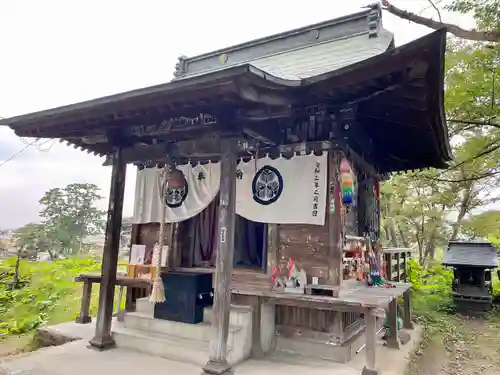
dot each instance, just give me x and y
(278, 191)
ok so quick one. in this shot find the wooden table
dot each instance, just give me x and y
(355, 297)
(90, 278)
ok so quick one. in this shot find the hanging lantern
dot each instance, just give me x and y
(176, 188)
(175, 179)
(346, 181)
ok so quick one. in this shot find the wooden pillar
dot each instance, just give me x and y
(273, 242)
(135, 237)
(170, 228)
(371, 342)
(405, 266)
(398, 260)
(392, 335)
(176, 249)
(84, 317)
(389, 266)
(257, 351)
(217, 363)
(335, 245)
(407, 318)
(102, 338)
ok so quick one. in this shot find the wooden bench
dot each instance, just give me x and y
(93, 278)
(358, 298)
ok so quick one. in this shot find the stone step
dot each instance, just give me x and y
(198, 332)
(238, 316)
(169, 347)
(143, 306)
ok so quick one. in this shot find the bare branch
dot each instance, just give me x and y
(437, 10)
(481, 35)
(473, 122)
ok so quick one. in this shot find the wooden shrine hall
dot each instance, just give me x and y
(263, 162)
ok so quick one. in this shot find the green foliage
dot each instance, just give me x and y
(31, 239)
(486, 13)
(432, 302)
(49, 293)
(485, 225)
(425, 209)
(69, 215)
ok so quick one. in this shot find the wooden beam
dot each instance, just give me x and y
(84, 317)
(407, 319)
(335, 249)
(273, 243)
(358, 160)
(371, 343)
(206, 147)
(135, 237)
(217, 363)
(262, 134)
(253, 93)
(398, 101)
(265, 114)
(102, 338)
(398, 262)
(413, 122)
(392, 338)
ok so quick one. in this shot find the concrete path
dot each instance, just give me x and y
(75, 358)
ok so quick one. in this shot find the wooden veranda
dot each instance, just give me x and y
(385, 113)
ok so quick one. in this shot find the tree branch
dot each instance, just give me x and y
(481, 35)
(437, 10)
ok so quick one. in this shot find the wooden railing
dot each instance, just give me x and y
(396, 263)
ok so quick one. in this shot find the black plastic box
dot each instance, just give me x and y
(186, 293)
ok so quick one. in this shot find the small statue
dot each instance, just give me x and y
(278, 280)
(297, 279)
(293, 274)
(295, 282)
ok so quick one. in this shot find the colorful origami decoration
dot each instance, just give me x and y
(346, 182)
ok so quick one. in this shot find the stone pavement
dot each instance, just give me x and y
(75, 358)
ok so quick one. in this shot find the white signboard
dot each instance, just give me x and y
(137, 254)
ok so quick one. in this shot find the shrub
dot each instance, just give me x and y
(48, 293)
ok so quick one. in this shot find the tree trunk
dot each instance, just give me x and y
(394, 237)
(430, 247)
(420, 245)
(15, 280)
(479, 35)
(464, 208)
(404, 239)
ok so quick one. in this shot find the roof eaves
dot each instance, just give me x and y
(367, 21)
(189, 82)
(304, 29)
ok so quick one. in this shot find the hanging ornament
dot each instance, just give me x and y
(176, 179)
(346, 182)
(176, 189)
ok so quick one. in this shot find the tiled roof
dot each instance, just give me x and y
(324, 57)
(301, 53)
(471, 254)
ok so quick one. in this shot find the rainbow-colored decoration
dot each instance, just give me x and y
(346, 181)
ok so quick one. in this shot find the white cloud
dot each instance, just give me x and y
(57, 52)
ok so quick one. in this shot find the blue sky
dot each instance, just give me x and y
(57, 52)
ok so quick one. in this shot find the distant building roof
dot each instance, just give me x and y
(302, 53)
(471, 254)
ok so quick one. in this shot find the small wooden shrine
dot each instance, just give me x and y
(261, 165)
(473, 263)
